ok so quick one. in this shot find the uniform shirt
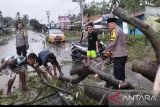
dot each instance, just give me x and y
(117, 43)
(92, 38)
(21, 36)
(42, 58)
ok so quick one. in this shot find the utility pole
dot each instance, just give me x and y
(81, 9)
(1, 23)
(81, 3)
(104, 7)
(48, 16)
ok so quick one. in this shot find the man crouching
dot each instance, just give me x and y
(17, 65)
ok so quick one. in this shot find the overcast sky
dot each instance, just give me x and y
(37, 8)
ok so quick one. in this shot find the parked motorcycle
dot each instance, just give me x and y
(79, 52)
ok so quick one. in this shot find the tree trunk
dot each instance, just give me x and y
(147, 69)
(73, 81)
(96, 94)
(151, 35)
(114, 97)
(83, 72)
(111, 80)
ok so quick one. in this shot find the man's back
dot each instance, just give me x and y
(14, 61)
(42, 56)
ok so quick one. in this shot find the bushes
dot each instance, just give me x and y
(138, 49)
(132, 40)
(72, 35)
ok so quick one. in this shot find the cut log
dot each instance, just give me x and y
(147, 69)
(75, 80)
(110, 80)
(82, 73)
(81, 70)
(96, 94)
(105, 96)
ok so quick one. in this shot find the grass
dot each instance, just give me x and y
(137, 47)
(72, 36)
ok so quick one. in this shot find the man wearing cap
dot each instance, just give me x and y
(92, 44)
(117, 48)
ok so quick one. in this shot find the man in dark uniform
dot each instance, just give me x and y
(43, 58)
(17, 65)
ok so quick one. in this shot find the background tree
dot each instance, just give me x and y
(25, 19)
(36, 25)
(1, 23)
(8, 21)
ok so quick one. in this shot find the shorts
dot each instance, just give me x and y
(12, 72)
(91, 53)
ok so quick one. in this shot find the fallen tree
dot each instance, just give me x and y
(147, 69)
(116, 97)
(82, 71)
(152, 36)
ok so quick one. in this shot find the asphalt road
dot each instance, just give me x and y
(37, 43)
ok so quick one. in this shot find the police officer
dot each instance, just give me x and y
(117, 47)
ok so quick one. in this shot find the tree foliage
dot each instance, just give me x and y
(8, 21)
(36, 25)
(25, 19)
(96, 8)
(132, 6)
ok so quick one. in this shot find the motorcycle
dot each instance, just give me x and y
(79, 52)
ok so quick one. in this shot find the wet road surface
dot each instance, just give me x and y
(37, 43)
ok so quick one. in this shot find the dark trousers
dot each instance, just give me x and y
(119, 67)
(22, 50)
